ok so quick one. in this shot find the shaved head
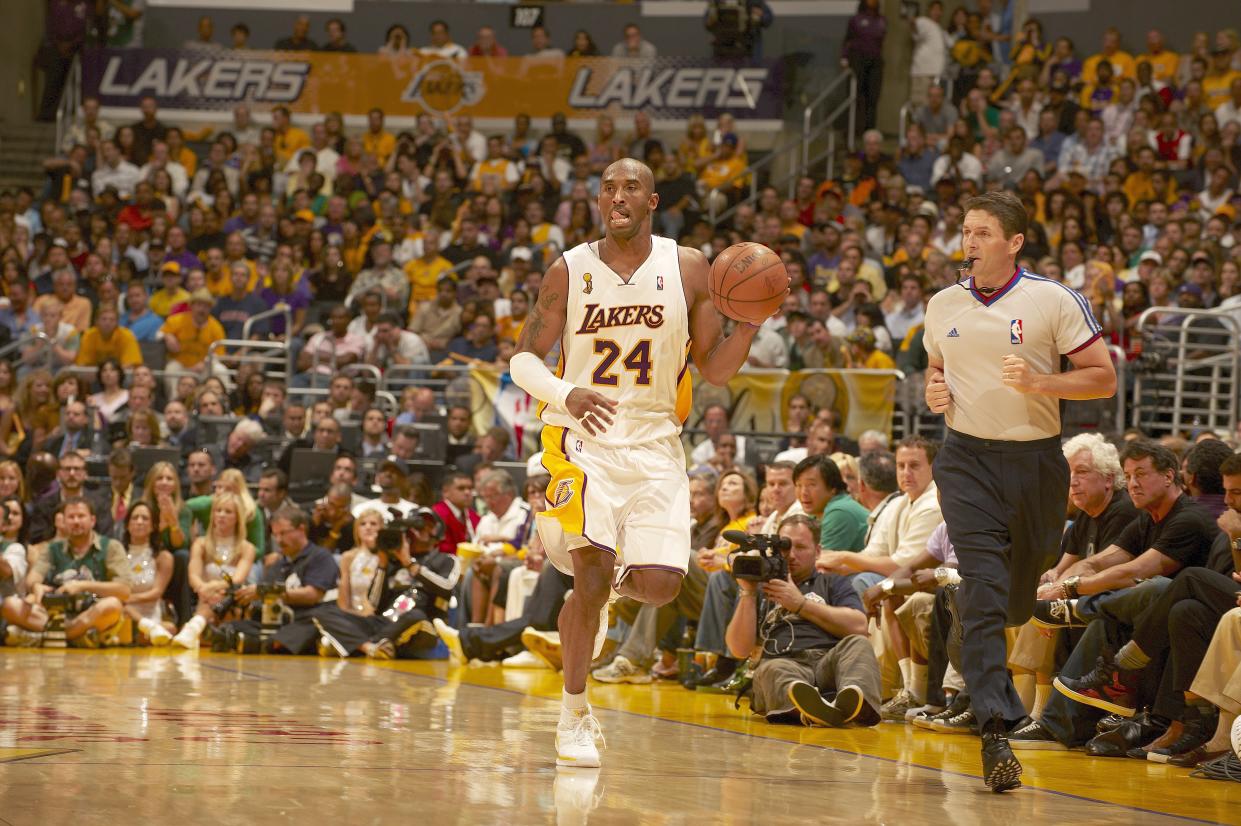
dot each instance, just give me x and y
(631, 169)
(627, 198)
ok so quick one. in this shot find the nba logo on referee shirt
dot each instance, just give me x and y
(1016, 335)
(659, 282)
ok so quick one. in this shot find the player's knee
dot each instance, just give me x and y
(657, 587)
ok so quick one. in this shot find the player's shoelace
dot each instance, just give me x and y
(586, 731)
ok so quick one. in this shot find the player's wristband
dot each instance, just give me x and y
(531, 374)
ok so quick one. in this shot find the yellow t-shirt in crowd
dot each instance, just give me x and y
(381, 146)
(286, 145)
(195, 341)
(423, 276)
(93, 348)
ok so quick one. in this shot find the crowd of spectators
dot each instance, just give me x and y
(151, 243)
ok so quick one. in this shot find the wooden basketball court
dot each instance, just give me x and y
(130, 736)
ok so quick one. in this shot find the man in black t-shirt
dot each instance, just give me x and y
(1171, 533)
(817, 665)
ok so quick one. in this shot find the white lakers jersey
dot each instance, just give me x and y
(628, 341)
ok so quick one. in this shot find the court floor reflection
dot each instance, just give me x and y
(124, 736)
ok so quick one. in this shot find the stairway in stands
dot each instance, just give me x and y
(23, 147)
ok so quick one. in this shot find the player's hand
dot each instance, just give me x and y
(593, 410)
(1230, 523)
(1016, 374)
(938, 396)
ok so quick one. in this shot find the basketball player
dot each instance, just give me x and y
(629, 311)
(994, 345)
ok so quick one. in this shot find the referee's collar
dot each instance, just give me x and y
(987, 300)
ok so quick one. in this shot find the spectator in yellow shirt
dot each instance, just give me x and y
(189, 336)
(725, 172)
(1164, 62)
(425, 271)
(171, 293)
(289, 138)
(1122, 62)
(1217, 83)
(108, 340)
(76, 308)
(376, 141)
(861, 352)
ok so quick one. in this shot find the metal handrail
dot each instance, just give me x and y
(1120, 360)
(1211, 380)
(70, 100)
(315, 362)
(907, 108)
(220, 348)
(384, 399)
(42, 340)
(808, 113)
(263, 316)
(370, 370)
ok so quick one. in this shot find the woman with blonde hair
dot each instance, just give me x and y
(233, 481)
(848, 471)
(221, 551)
(162, 491)
(12, 481)
(35, 406)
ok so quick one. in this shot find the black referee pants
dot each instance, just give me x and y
(1004, 505)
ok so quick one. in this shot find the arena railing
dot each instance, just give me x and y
(275, 312)
(43, 358)
(70, 101)
(1188, 372)
(907, 108)
(269, 355)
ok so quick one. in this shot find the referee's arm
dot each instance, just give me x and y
(1093, 376)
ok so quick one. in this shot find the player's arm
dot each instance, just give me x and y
(718, 358)
(528, 367)
(1093, 375)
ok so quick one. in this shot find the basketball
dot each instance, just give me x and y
(748, 282)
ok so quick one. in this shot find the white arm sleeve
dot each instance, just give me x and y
(531, 374)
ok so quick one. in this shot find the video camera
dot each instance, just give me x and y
(768, 564)
(229, 602)
(400, 527)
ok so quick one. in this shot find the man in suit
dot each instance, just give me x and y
(70, 484)
(75, 432)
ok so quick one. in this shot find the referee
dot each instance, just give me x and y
(994, 345)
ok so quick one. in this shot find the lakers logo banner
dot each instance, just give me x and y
(409, 85)
(756, 400)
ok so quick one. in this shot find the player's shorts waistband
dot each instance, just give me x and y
(1003, 445)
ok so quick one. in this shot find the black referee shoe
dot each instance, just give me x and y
(1000, 769)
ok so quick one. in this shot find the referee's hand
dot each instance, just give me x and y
(938, 397)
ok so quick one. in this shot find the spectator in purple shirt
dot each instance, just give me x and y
(863, 53)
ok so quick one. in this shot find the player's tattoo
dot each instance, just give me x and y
(535, 325)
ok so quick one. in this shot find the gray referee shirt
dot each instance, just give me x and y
(1030, 316)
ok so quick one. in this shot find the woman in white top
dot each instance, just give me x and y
(112, 395)
(149, 571)
(364, 573)
(13, 547)
(222, 551)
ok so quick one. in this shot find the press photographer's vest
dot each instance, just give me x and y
(95, 562)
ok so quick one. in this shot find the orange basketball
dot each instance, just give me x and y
(748, 282)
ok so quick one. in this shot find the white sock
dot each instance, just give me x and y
(906, 666)
(145, 626)
(1042, 693)
(195, 626)
(1024, 683)
(917, 684)
(573, 706)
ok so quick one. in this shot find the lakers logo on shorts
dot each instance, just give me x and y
(564, 493)
(586, 278)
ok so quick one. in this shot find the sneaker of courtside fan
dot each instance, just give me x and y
(382, 650)
(452, 639)
(186, 638)
(962, 723)
(523, 659)
(545, 645)
(621, 670)
(1031, 735)
(17, 637)
(1056, 613)
(922, 711)
(575, 741)
(896, 709)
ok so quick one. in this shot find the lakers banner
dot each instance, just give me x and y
(408, 85)
(756, 401)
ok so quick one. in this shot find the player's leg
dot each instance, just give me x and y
(654, 539)
(651, 585)
(578, 730)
